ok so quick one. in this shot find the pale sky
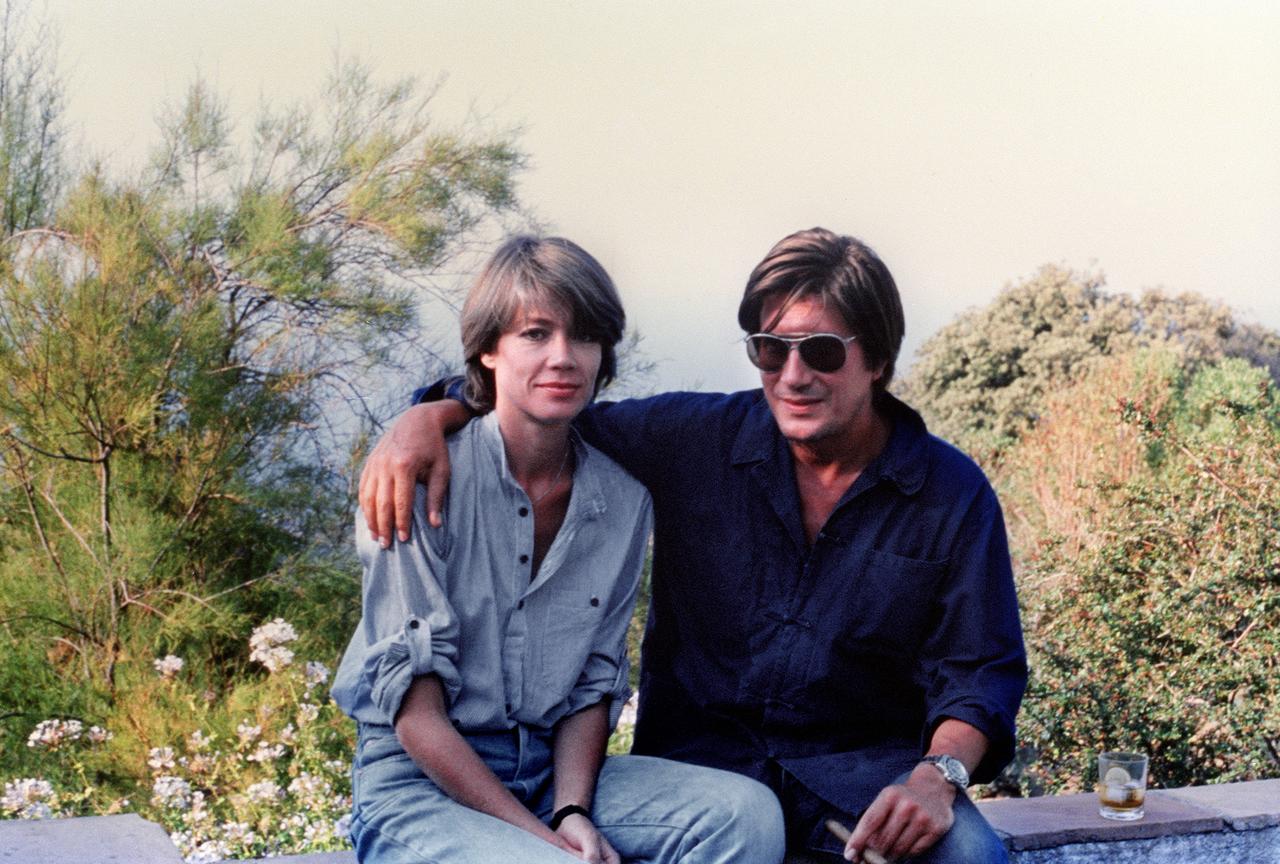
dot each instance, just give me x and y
(677, 141)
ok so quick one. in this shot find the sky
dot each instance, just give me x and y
(968, 143)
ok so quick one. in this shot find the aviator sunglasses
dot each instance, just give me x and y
(821, 352)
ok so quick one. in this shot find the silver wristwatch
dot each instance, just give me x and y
(953, 770)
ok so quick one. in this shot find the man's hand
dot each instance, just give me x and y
(412, 450)
(905, 819)
(586, 841)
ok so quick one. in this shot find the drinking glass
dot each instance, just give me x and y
(1122, 785)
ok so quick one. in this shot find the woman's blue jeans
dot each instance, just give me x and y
(651, 810)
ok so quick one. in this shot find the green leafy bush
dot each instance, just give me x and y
(1153, 616)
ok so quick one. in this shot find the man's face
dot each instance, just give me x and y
(817, 408)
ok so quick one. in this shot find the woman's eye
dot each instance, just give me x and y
(536, 334)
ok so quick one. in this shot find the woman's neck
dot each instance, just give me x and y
(536, 452)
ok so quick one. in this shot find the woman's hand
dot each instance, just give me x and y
(585, 840)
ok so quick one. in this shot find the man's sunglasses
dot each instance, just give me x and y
(821, 352)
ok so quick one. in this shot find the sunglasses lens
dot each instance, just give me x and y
(822, 353)
(768, 353)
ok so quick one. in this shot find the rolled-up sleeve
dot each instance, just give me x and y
(607, 670)
(408, 626)
(975, 659)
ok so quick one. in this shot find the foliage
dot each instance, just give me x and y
(1153, 612)
(172, 349)
(981, 380)
(263, 771)
(31, 132)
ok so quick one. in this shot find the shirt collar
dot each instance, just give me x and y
(904, 462)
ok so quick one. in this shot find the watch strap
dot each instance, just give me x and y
(565, 812)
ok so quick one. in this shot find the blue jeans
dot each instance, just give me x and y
(651, 810)
(970, 840)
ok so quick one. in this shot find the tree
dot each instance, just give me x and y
(31, 134)
(981, 381)
(170, 350)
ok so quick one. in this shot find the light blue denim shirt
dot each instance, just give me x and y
(457, 601)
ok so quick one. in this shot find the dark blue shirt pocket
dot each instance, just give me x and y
(894, 603)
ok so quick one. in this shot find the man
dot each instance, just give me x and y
(833, 610)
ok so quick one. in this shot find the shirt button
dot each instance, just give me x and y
(524, 559)
(413, 624)
(524, 511)
(595, 601)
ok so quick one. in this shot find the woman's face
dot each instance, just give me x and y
(540, 370)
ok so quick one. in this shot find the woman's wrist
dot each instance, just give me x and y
(567, 811)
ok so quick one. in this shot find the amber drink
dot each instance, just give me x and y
(1122, 785)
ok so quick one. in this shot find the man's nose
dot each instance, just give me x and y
(795, 372)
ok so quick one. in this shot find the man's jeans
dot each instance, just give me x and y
(651, 810)
(970, 840)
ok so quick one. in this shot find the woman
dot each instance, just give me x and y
(490, 662)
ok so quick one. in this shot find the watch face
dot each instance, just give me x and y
(952, 769)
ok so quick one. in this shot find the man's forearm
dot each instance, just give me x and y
(961, 740)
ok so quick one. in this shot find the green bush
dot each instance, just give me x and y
(1155, 623)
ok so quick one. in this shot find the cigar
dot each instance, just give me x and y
(842, 833)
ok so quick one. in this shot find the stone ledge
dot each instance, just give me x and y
(1229, 822)
(127, 839)
(1059, 820)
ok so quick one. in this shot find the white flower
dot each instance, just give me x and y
(238, 832)
(264, 791)
(310, 790)
(28, 798)
(266, 752)
(198, 742)
(317, 673)
(289, 734)
(168, 666)
(170, 791)
(49, 734)
(248, 734)
(160, 758)
(307, 712)
(275, 658)
(98, 735)
(266, 644)
(342, 827)
(206, 852)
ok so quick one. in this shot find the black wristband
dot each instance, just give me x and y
(565, 812)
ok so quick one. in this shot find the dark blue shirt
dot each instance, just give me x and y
(831, 663)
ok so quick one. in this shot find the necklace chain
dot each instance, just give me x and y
(555, 480)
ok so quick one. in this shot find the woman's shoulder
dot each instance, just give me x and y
(614, 481)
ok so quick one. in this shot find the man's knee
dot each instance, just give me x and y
(971, 840)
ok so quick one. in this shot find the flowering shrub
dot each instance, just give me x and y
(1153, 620)
(262, 772)
(29, 798)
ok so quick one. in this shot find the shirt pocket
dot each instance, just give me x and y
(569, 633)
(896, 604)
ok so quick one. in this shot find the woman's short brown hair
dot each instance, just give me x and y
(845, 272)
(549, 273)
